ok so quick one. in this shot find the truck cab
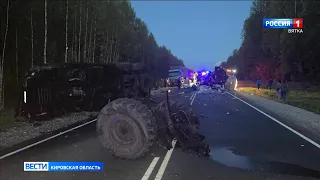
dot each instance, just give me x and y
(173, 76)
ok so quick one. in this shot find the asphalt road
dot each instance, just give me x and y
(245, 144)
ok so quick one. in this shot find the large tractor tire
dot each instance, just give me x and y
(126, 128)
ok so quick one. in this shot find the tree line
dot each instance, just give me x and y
(274, 53)
(37, 32)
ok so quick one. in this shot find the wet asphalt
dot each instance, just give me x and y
(244, 144)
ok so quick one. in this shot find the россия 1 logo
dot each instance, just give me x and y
(293, 25)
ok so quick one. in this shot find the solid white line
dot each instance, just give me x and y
(195, 94)
(277, 121)
(192, 96)
(47, 139)
(165, 162)
(150, 168)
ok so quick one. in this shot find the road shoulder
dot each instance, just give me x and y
(26, 134)
(304, 122)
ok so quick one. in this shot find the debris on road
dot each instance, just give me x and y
(203, 116)
(205, 89)
(174, 174)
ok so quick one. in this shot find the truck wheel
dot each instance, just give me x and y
(126, 128)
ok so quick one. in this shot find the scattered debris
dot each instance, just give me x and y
(205, 89)
(174, 174)
(36, 124)
(203, 116)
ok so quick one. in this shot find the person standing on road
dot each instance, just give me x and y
(179, 83)
(258, 83)
(278, 89)
(284, 90)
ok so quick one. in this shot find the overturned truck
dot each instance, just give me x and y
(51, 90)
(129, 123)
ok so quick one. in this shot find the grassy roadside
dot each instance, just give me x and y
(303, 99)
(7, 119)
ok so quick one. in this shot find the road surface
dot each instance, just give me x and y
(245, 144)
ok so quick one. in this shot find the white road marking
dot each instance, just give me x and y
(195, 94)
(44, 140)
(277, 121)
(192, 96)
(150, 168)
(165, 162)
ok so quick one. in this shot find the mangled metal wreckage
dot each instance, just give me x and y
(130, 122)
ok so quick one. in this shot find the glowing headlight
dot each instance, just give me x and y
(25, 96)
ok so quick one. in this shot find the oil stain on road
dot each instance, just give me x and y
(227, 157)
